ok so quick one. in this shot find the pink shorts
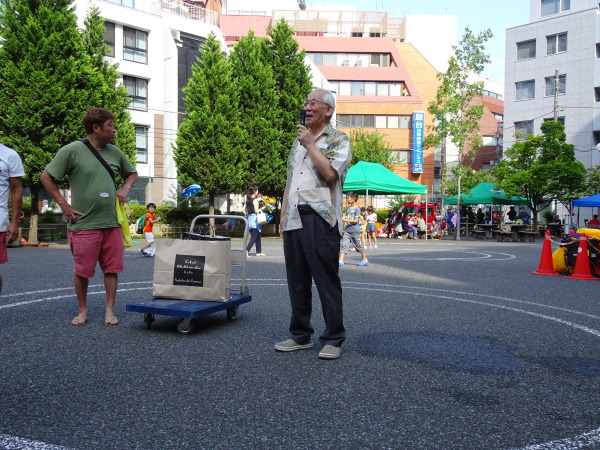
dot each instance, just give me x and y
(104, 246)
(3, 252)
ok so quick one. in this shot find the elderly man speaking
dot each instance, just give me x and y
(311, 225)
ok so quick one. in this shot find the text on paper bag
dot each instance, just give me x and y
(189, 270)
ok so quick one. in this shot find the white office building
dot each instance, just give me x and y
(155, 44)
(560, 43)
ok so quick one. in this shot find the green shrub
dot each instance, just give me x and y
(48, 217)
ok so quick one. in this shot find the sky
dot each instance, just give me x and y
(477, 15)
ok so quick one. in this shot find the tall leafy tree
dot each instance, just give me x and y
(469, 179)
(593, 181)
(210, 145)
(455, 109)
(293, 84)
(542, 168)
(260, 115)
(370, 147)
(47, 81)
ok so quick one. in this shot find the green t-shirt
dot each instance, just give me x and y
(92, 189)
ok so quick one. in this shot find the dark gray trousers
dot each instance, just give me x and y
(312, 253)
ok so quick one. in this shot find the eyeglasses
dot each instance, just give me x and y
(313, 102)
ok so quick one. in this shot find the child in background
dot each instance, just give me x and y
(352, 231)
(363, 224)
(371, 228)
(148, 248)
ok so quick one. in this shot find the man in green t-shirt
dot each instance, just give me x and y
(94, 234)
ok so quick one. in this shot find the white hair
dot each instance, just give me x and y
(328, 97)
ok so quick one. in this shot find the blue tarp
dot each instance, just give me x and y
(594, 200)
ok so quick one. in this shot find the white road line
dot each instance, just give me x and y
(12, 442)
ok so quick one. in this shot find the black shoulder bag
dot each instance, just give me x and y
(100, 158)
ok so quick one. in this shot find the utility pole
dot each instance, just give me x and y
(499, 127)
(556, 78)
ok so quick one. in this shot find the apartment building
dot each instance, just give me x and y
(382, 81)
(557, 52)
(155, 44)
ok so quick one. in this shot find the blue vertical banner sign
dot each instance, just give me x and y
(418, 123)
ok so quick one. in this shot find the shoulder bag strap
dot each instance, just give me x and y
(100, 158)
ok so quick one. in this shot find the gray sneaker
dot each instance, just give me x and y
(330, 352)
(290, 345)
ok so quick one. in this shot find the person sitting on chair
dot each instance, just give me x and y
(555, 226)
(594, 223)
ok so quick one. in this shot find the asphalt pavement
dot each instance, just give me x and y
(451, 345)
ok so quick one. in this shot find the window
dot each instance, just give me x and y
(372, 121)
(523, 129)
(370, 88)
(550, 81)
(383, 89)
(137, 88)
(525, 50)
(135, 45)
(597, 94)
(393, 122)
(401, 156)
(555, 6)
(380, 121)
(560, 120)
(128, 3)
(396, 89)
(358, 88)
(345, 88)
(525, 90)
(109, 38)
(556, 43)
(141, 144)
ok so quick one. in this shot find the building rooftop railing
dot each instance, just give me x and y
(182, 8)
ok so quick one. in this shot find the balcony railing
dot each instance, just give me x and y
(190, 11)
(181, 8)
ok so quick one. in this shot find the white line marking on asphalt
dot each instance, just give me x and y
(541, 305)
(489, 256)
(578, 442)
(13, 442)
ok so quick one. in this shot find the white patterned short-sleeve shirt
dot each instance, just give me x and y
(307, 185)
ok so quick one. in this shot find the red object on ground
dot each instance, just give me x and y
(546, 267)
(582, 263)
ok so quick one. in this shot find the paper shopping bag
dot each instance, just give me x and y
(192, 270)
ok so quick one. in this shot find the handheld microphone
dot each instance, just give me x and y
(302, 117)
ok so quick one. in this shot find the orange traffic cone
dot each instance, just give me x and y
(546, 267)
(582, 263)
(24, 241)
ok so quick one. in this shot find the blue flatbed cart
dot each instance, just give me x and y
(188, 310)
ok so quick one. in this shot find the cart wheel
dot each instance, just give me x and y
(148, 318)
(185, 328)
(231, 312)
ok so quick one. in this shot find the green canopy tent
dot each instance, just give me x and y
(373, 178)
(487, 194)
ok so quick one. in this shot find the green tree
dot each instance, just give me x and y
(209, 149)
(260, 116)
(292, 83)
(47, 81)
(370, 147)
(592, 184)
(456, 110)
(542, 168)
(469, 179)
